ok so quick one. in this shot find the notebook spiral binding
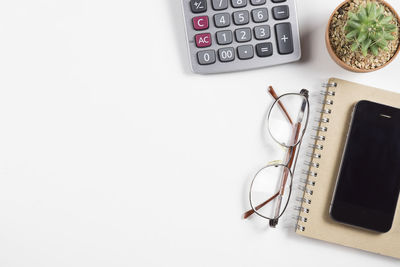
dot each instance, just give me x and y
(312, 165)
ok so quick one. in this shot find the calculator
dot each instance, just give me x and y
(235, 35)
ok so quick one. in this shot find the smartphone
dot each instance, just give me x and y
(368, 182)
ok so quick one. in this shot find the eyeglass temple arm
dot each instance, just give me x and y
(292, 151)
(272, 92)
(291, 154)
(251, 212)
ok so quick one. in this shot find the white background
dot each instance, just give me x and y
(112, 153)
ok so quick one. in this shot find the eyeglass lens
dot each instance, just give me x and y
(286, 119)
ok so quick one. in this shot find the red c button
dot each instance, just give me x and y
(200, 23)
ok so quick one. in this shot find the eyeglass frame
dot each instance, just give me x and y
(291, 156)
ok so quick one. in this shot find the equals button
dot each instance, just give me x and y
(264, 49)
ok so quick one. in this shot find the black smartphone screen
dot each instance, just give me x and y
(368, 182)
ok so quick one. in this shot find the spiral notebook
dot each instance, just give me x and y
(314, 220)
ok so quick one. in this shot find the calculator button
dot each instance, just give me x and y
(262, 32)
(226, 54)
(258, 2)
(220, 4)
(245, 51)
(198, 6)
(200, 23)
(206, 57)
(264, 50)
(243, 35)
(222, 20)
(284, 39)
(203, 40)
(260, 15)
(241, 17)
(239, 3)
(224, 37)
(280, 12)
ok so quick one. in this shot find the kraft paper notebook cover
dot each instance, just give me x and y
(314, 220)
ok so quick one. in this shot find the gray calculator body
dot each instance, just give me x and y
(256, 49)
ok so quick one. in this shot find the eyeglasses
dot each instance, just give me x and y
(271, 186)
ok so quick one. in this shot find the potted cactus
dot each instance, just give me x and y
(363, 35)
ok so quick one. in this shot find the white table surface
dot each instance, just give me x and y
(112, 153)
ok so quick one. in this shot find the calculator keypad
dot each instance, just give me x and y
(231, 35)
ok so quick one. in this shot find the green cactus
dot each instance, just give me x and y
(370, 29)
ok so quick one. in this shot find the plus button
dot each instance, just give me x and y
(284, 38)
